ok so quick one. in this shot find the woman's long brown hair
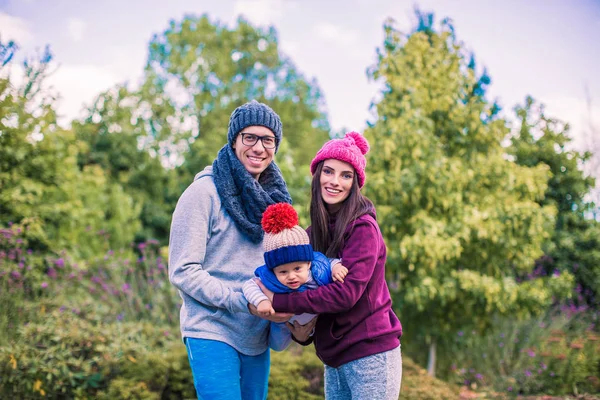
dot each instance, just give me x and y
(324, 241)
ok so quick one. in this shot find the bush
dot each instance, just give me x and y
(68, 354)
(296, 374)
(417, 384)
(556, 354)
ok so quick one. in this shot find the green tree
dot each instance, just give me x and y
(41, 188)
(462, 223)
(116, 137)
(575, 244)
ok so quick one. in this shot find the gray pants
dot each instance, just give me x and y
(376, 377)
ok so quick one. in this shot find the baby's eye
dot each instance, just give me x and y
(348, 176)
(327, 172)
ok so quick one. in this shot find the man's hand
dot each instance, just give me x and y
(265, 308)
(302, 332)
(277, 317)
(339, 272)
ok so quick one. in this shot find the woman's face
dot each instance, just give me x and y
(336, 182)
(255, 158)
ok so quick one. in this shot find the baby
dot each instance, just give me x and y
(290, 263)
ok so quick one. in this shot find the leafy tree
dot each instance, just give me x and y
(42, 190)
(462, 223)
(575, 244)
(117, 138)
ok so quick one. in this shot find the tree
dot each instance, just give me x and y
(461, 222)
(575, 245)
(42, 190)
(117, 138)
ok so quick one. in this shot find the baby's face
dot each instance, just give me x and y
(293, 274)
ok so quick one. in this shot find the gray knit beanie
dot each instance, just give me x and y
(254, 113)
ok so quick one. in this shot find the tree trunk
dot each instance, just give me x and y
(431, 362)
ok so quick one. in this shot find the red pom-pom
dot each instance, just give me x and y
(360, 141)
(278, 217)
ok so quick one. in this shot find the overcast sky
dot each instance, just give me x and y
(546, 48)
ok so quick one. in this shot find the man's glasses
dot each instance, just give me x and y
(250, 139)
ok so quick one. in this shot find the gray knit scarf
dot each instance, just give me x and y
(245, 198)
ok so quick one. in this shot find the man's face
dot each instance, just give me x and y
(255, 158)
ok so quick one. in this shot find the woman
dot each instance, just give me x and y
(357, 334)
(215, 245)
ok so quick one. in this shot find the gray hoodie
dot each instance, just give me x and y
(209, 261)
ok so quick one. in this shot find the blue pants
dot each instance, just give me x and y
(222, 373)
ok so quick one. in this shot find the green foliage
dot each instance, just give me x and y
(557, 353)
(575, 245)
(462, 223)
(71, 355)
(417, 384)
(115, 138)
(296, 374)
(42, 187)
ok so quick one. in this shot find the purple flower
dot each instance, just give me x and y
(460, 333)
(531, 353)
(44, 285)
(59, 263)
(126, 287)
(29, 251)
(62, 308)
(510, 389)
(120, 317)
(556, 273)
(15, 274)
(479, 376)
(501, 344)
(51, 273)
(527, 373)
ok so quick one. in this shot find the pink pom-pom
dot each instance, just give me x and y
(360, 141)
(278, 217)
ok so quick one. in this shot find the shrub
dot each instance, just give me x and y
(555, 354)
(69, 354)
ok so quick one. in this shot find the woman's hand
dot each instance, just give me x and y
(302, 332)
(277, 317)
(264, 289)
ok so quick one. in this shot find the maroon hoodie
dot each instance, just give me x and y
(356, 317)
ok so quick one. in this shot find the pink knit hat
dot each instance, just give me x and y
(351, 149)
